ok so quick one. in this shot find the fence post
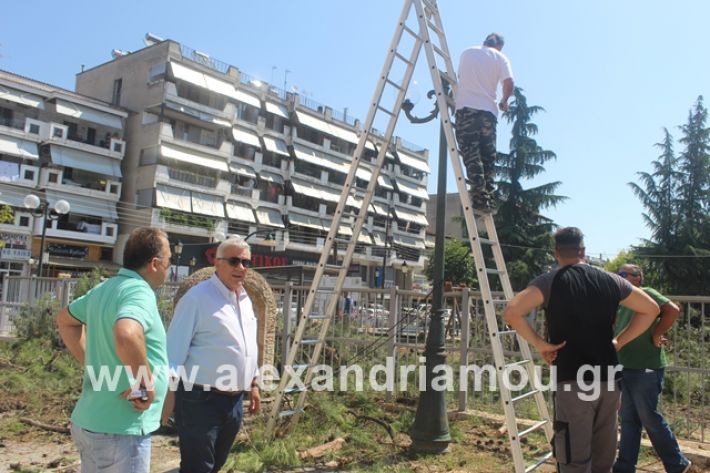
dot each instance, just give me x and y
(64, 292)
(4, 317)
(392, 340)
(463, 357)
(286, 311)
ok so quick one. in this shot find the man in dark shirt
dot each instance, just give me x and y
(580, 304)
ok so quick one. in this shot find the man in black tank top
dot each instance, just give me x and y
(580, 304)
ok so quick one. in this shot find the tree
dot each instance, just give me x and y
(525, 234)
(459, 267)
(676, 203)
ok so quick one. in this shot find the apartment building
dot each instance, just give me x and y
(61, 147)
(211, 152)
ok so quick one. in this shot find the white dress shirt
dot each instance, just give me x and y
(212, 338)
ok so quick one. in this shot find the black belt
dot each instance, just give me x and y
(218, 391)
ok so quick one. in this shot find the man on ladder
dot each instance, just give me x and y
(481, 68)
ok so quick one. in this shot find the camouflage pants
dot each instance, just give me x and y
(476, 136)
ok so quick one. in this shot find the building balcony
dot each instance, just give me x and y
(51, 132)
(100, 187)
(99, 233)
(199, 111)
(186, 224)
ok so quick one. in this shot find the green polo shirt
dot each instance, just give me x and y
(641, 353)
(100, 407)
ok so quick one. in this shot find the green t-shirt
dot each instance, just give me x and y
(100, 407)
(641, 353)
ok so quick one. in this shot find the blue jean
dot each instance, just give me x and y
(639, 408)
(208, 423)
(112, 453)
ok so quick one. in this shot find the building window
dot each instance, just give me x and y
(113, 189)
(29, 175)
(271, 159)
(53, 178)
(109, 231)
(116, 95)
(24, 221)
(34, 128)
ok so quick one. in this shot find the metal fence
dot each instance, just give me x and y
(392, 323)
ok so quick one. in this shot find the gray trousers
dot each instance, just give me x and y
(585, 427)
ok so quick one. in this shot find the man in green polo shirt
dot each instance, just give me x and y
(644, 361)
(116, 332)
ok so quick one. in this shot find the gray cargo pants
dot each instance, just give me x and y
(585, 427)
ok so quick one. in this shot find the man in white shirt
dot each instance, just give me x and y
(212, 348)
(481, 68)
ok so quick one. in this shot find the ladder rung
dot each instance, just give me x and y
(289, 412)
(494, 271)
(317, 317)
(525, 396)
(309, 341)
(434, 28)
(446, 76)
(444, 56)
(506, 332)
(486, 241)
(409, 30)
(539, 462)
(298, 367)
(388, 112)
(403, 58)
(394, 84)
(535, 427)
(517, 363)
(293, 390)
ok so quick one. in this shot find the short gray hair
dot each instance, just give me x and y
(234, 240)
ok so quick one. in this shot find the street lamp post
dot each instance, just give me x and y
(177, 249)
(430, 431)
(192, 263)
(41, 208)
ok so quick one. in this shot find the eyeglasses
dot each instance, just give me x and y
(166, 258)
(234, 261)
(623, 274)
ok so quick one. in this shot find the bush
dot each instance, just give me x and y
(87, 282)
(36, 320)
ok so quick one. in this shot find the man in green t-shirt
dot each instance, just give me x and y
(116, 332)
(644, 361)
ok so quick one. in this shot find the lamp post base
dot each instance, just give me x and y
(430, 446)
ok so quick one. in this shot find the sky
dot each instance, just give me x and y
(609, 74)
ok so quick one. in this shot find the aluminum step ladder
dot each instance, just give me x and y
(427, 33)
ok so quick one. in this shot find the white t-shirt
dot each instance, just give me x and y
(480, 70)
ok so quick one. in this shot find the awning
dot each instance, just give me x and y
(410, 242)
(267, 216)
(364, 238)
(242, 170)
(246, 137)
(74, 158)
(419, 219)
(309, 221)
(407, 188)
(379, 209)
(173, 198)
(207, 204)
(23, 98)
(412, 161)
(316, 192)
(18, 147)
(214, 84)
(241, 212)
(13, 196)
(305, 154)
(343, 134)
(378, 239)
(276, 145)
(385, 181)
(307, 120)
(268, 177)
(277, 109)
(189, 75)
(363, 173)
(85, 113)
(353, 201)
(85, 205)
(247, 98)
(345, 230)
(192, 157)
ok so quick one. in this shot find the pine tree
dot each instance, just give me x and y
(522, 229)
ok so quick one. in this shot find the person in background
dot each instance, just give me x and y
(481, 69)
(213, 335)
(117, 326)
(644, 361)
(580, 304)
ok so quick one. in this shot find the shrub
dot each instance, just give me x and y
(36, 320)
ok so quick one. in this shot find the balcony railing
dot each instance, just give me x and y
(201, 58)
(241, 190)
(18, 123)
(192, 178)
